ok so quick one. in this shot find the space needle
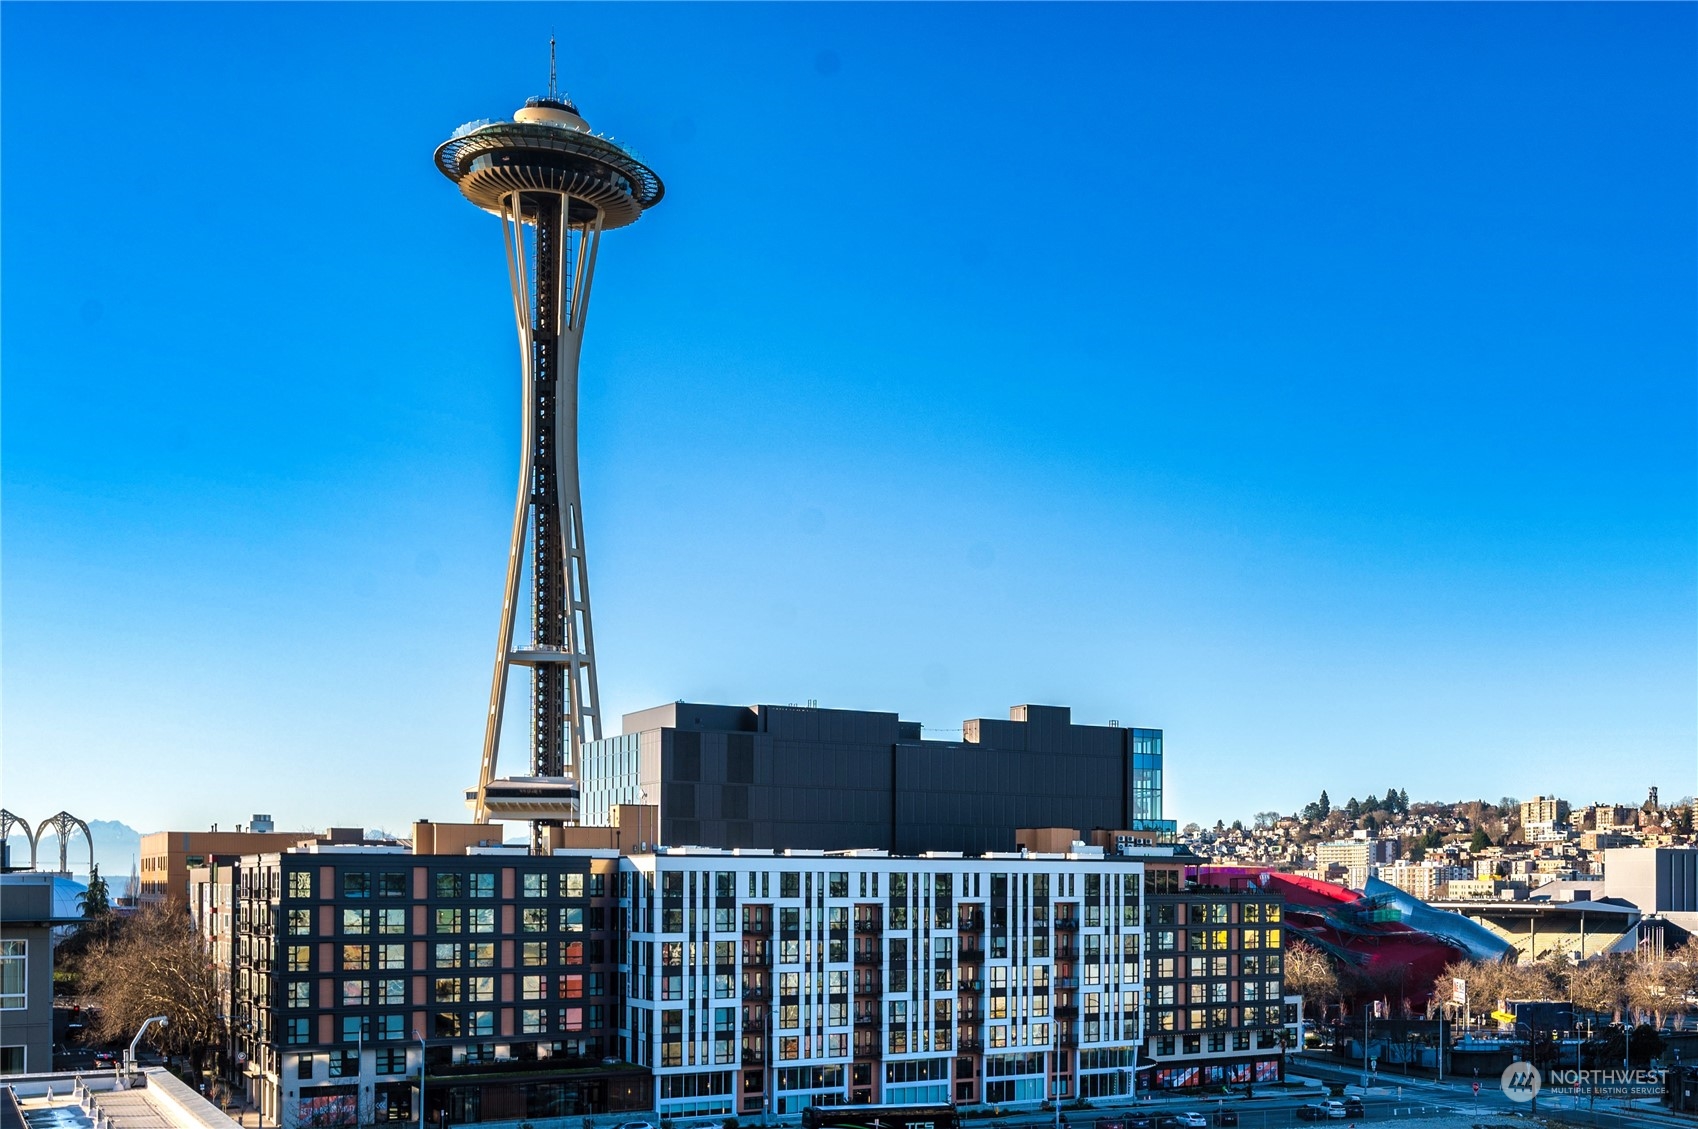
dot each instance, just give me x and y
(555, 186)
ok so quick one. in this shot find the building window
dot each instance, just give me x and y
(480, 1023)
(446, 990)
(533, 1021)
(480, 920)
(356, 885)
(356, 921)
(534, 920)
(297, 994)
(390, 1028)
(533, 953)
(295, 1032)
(480, 989)
(533, 885)
(391, 921)
(355, 1029)
(356, 958)
(480, 885)
(298, 958)
(300, 884)
(392, 885)
(392, 991)
(14, 974)
(450, 885)
(392, 956)
(300, 923)
(392, 1060)
(571, 885)
(303, 1067)
(480, 954)
(449, 920)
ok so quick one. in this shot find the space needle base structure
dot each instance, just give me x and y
(556, 187)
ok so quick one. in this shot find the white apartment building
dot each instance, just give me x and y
(1355, 854)
(1423, 880)
(763, 982)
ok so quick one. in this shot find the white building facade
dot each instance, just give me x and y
(760, 982)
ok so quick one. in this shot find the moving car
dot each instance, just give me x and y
(1226, 1117)
(1353, 1107)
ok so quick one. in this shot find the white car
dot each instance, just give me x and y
(1334, 1108)
(1191, 1119)
(633, 1125)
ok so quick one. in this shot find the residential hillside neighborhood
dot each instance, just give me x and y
(1469, 850)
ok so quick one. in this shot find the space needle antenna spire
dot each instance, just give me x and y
(555, 186)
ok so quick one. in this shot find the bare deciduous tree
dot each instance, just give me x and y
(1310, 973)
(155, 965)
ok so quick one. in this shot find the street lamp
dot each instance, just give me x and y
(422, 1051)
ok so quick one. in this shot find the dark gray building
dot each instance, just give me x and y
(790, 777)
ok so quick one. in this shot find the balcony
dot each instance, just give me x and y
(973, 922)
(866, 1021)
(1066, 952)
(1069, 1039)
(757, 991)
(757, 960)
(753, 1058)
(1066, 983)
(970, 984)
(869, 925)
(1066, 1011)
(868, 956)
(969, 1046)
(971, 953)
(757, 927)
(970, 1017)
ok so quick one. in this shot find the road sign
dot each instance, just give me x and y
(1476, 1087)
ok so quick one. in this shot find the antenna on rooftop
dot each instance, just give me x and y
(553, 87)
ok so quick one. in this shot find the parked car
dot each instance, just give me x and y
(634, 1125)
(1353, 1107)
(1191, 1119)
(106, 1058)
(1334, 1108)
(1312, 1111)
(1226, 1117)
(1140, 1121)
(1169, 1121)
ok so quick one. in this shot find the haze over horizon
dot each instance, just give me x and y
(1312, 383)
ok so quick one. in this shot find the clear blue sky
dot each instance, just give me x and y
(1313, 382)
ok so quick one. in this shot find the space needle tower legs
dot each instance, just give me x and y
(556, 187)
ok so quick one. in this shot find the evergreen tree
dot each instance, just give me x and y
(1403, 800)
(1324, 804)
(96, 901)
(1370, 823)
(1480, 841)
(1372, 803)
(1353, 809)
